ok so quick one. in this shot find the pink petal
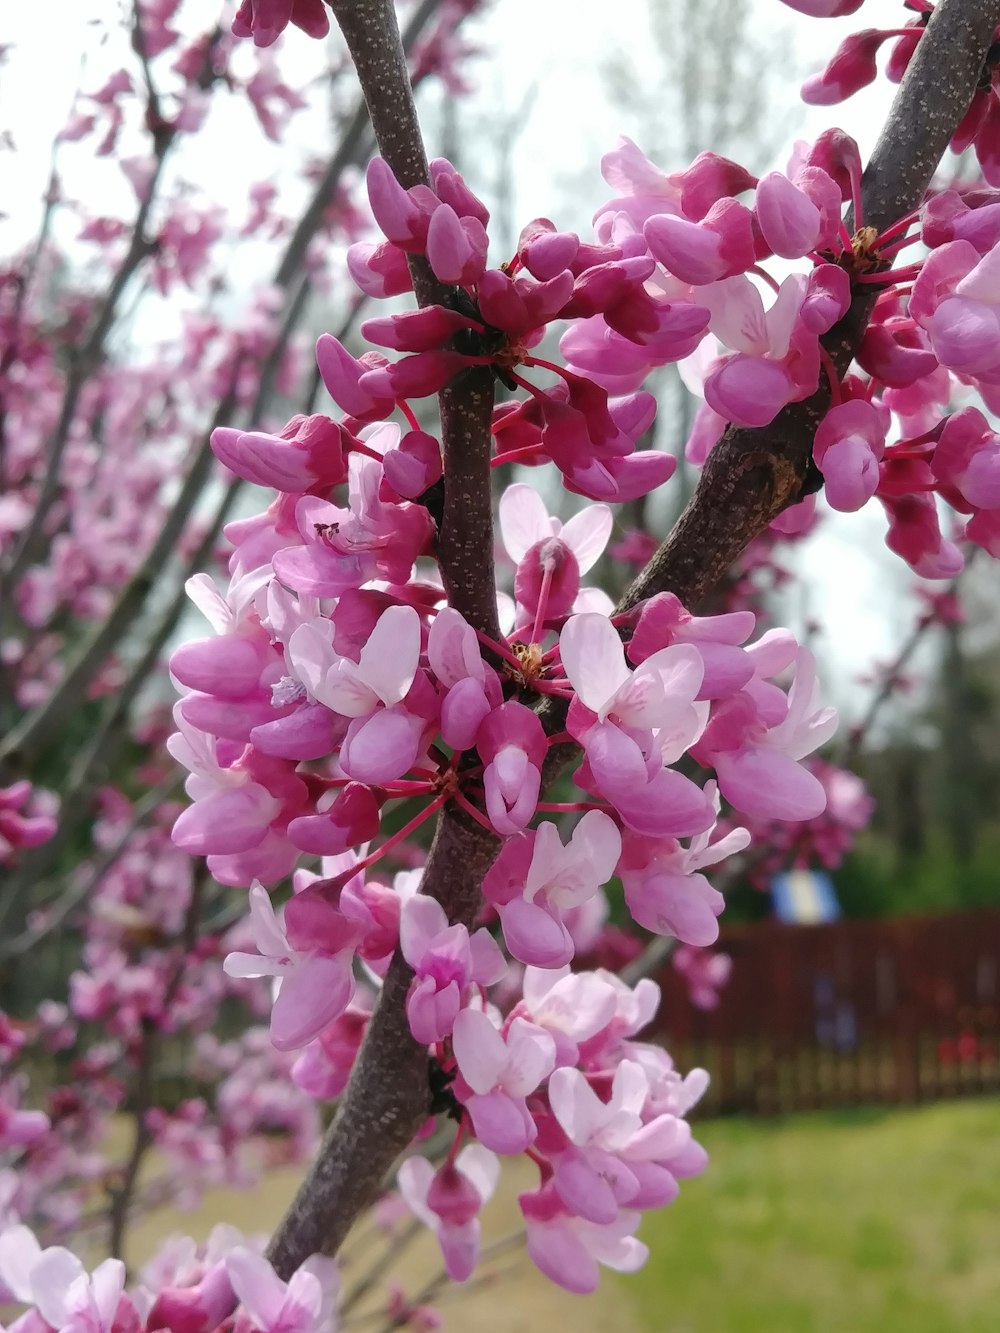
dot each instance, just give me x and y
(593, 659)
(310, 998)
(524, 520)
(766, 784)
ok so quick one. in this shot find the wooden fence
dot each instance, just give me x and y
(852, 1013)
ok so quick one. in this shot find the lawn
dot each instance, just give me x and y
(845, 1222)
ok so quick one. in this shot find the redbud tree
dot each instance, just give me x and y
(519, 747)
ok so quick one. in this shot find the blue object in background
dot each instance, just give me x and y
(804, 897)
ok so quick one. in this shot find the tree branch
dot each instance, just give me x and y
(388, 1096)
(750, 477)
(465, 545)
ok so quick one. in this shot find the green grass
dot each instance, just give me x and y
(847, 1222)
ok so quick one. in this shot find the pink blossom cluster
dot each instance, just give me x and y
(341, 689)
(137, 982)
(227, 1282)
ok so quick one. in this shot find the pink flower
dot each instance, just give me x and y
(389, 722)
(472, 689)
(449, 1200)
(572, 1006)
(344, 548)
(497, 1074)
(777, 351)
(848, 448)
(311, 955)
(705, 972)
(658, 693)
(512, 744)
(535, 879)
(663, 621)
(755, 759)
(446, 962)
(967, 457)
(663, 890)
(550, 556)
(19, 1128)
(305, 1304)
(265, 20)
(568, 1249)
(66, 1297)
(800, 215)
(235, 820)
(614, 1155)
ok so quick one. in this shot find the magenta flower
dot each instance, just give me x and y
(512, 744)
(824, 9)
(568, 1249)
(308, 452)
(848, 448)
(497, 1073)
(265, 20)
(720, 246)
(449, 1201)
(535, 879)
(446, 962)
(305, 1304)
(756, 760)
(24, 821)
(663, 889)
(311, 955)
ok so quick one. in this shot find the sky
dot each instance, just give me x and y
(544, 64)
